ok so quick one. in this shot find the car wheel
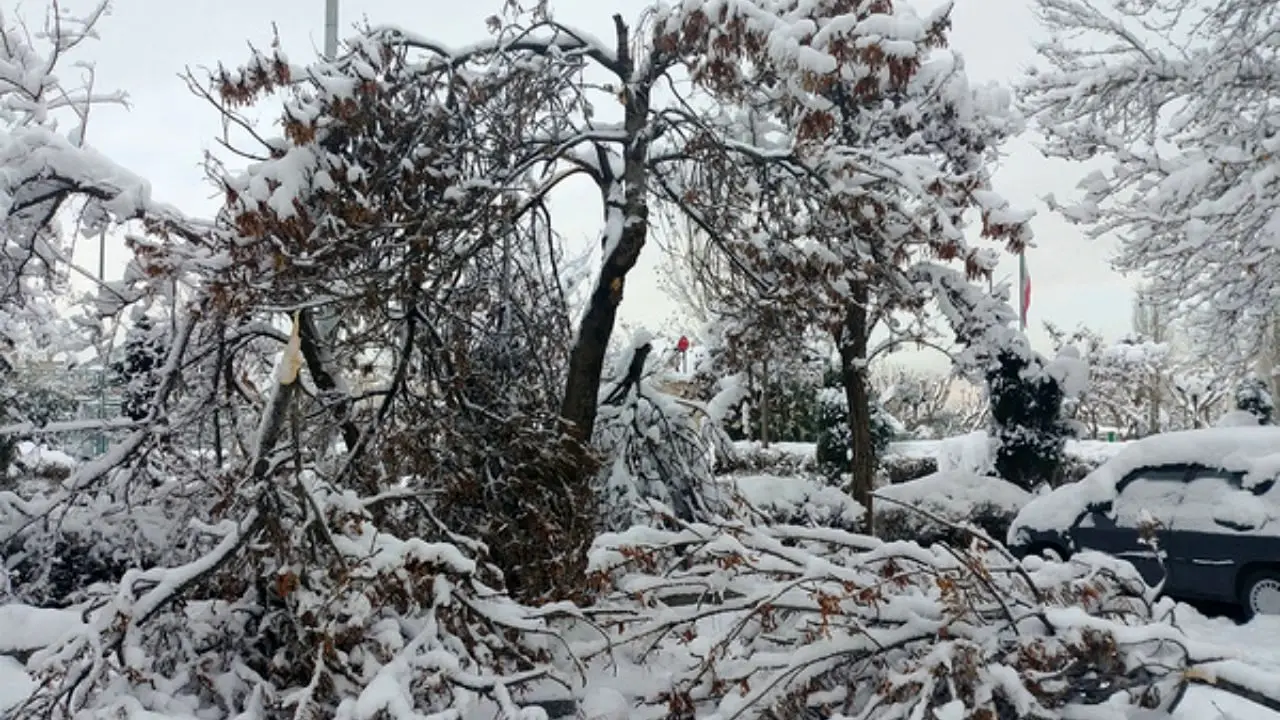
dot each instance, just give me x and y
(1260, 593)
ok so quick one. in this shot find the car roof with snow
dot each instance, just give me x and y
(1254, 451)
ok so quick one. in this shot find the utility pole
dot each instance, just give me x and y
(326, 318)
(330, 29)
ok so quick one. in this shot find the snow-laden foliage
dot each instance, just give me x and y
(1025, 391)
(784, 621)
(50, 177)
(835, 443)
(1172, 103)
(289, 530)
(835, 446)
(660, 447)
(1253, 397)
(1126, 382)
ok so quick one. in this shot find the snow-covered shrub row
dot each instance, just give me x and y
(794, 500)
(784, 621)
(782, 458)
(951, 502)
(915, 459)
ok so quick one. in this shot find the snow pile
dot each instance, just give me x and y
(952, 496)
(970, 453)
(24, 628)
(1232, 449)
(1237, 418)
(34, 461)
(790, 500)
(15, 684)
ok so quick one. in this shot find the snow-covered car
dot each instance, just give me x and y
(1209, 499)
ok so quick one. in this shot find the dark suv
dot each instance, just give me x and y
(1220, 535)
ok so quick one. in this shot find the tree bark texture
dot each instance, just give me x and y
(852, 339)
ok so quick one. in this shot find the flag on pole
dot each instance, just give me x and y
(1024, 291)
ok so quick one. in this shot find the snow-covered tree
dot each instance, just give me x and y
(49, 175)
(1126, 378)
(1024, 390)
(143, 355)
(870, 146)
(920, 400)
(373, 328)
(1173, 102)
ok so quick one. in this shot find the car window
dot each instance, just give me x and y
(1157, 492)
(1216, 501)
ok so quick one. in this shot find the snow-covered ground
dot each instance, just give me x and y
(1256, 642)
(1095, 451)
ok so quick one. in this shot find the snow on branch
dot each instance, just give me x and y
(747, 622)
(1172, 105)
(43, 121)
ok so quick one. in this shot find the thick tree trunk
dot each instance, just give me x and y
(852, 339)
(626, 228)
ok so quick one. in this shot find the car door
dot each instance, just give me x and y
(1115, 528)
(1216, 515)
(1220, 528)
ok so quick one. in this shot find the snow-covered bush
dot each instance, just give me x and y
(776, 459)
(795, 500)
(956, 498)
(793, 622)
(1026, 392)
(896, 469)
(835, 442)
(1253, 397)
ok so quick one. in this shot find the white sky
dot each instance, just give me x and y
(146, 44)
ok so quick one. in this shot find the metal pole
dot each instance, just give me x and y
(102, 371)
(330, 29)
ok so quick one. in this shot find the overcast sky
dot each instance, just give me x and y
(146, 44)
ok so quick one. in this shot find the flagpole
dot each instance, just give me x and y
(330, 29)
(1022, 290)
